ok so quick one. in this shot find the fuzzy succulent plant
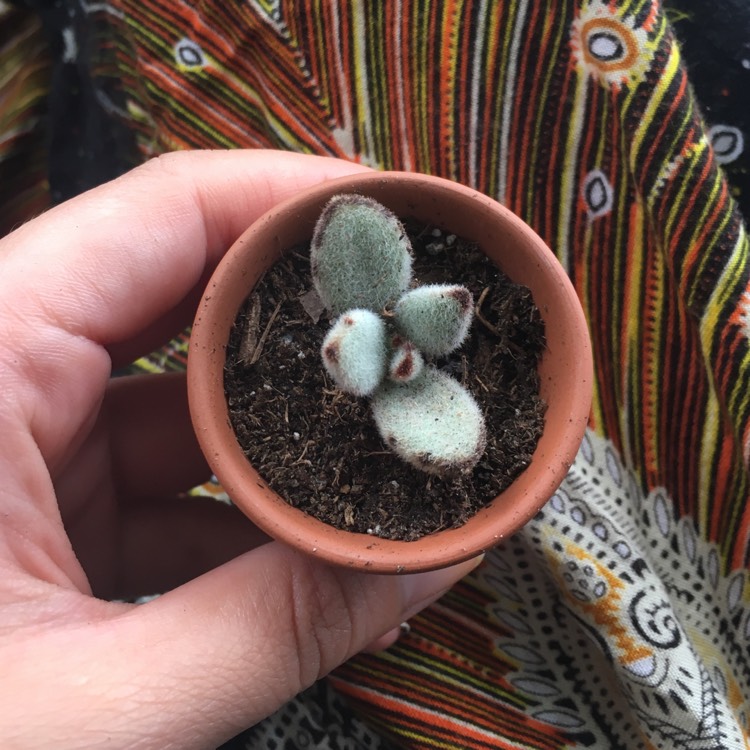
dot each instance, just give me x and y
(384, 331)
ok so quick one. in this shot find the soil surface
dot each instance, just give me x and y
(318, 447)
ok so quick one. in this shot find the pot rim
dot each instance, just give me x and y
(503, 515)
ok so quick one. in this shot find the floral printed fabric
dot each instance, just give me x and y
(619, 617)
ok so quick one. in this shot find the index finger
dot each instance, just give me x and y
(112, 261)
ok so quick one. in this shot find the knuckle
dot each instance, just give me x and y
(324, 621)
(169, 164)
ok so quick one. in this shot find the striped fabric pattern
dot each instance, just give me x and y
(590, 627)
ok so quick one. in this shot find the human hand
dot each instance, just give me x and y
(90, 470)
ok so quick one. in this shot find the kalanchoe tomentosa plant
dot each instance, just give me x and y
(362, 269)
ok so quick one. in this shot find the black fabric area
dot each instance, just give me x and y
(87, 142)
(715, 43)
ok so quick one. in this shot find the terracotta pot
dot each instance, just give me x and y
(565, 369)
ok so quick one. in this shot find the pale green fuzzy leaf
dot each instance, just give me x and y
(360, 255)
(433, 422)
(435, 318)
(354, 352)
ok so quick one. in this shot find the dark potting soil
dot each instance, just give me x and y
(318, 447)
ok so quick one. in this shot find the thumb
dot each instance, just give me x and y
(246, 637)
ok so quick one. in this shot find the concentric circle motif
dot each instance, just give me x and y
(188, 55)
(597, 194)
(727, 142)
(608, 46)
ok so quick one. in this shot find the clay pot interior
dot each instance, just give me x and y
(565, 369)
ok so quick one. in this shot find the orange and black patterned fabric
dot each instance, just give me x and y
(618, 129)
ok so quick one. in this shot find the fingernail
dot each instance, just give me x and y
(421, 589)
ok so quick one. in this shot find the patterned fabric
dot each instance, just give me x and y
(716, 48)
(620, 616)
(318, 719)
